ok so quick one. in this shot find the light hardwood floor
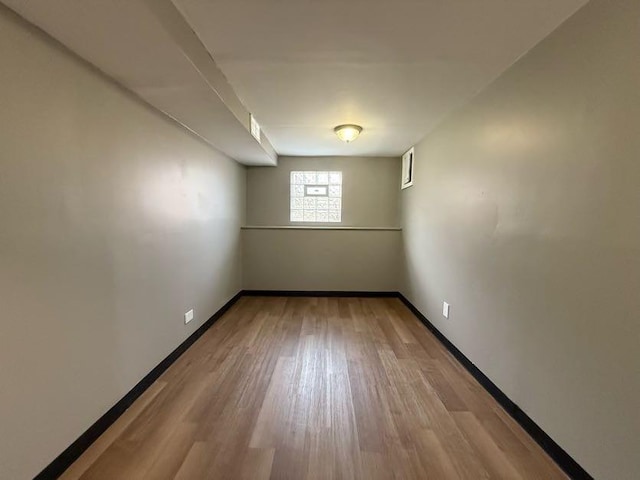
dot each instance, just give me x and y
(315, 388)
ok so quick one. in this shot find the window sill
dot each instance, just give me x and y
(318, 227)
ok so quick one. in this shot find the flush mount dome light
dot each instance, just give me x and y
(348, 133)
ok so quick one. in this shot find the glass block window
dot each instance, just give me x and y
(316, 197)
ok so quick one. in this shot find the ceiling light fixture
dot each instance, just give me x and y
(348, 133)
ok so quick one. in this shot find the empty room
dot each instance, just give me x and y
(319, 239)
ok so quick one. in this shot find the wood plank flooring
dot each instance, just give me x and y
(315, 388)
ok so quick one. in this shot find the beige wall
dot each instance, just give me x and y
(525, 216)
(338, 260)
(282, 259)
(114, 221)
(369, 192)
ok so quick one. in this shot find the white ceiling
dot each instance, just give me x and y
(396, 67)
(147, 46)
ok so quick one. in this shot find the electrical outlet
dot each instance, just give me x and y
(188, 316)
(445, 309)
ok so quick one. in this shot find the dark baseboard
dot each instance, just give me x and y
(555, 451)
(315, 293)
(71, 454)
(84, 441)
